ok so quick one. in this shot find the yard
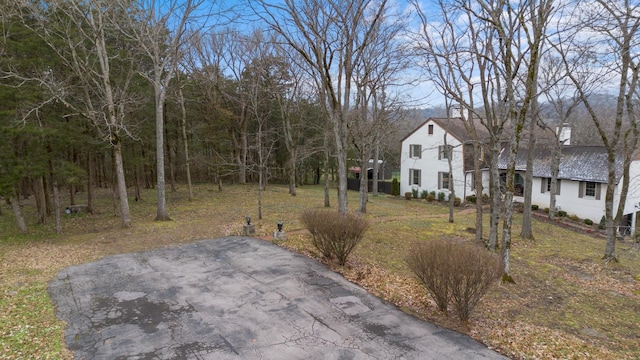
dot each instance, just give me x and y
(566, 303)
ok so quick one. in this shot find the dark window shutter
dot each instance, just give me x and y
(558, 182)
(581, 189)
(543, 185)
(598, 191)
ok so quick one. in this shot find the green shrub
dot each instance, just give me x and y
(423, 194)
(546, 210)
(408, 195)
(603, 223)
(471, 199)
(431, 198)
(457, 201)
(574, 217)
(395, 187)
(441, 196)
(414, 192)
(333, 233)
(454, 272)
(433, 193)
(534, 207)
(588, 222)
(562, 213)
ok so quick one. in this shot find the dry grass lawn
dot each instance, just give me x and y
(566, 303)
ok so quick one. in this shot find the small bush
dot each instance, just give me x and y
(588, 222)
(430, 262)
(546, 210)
(395, 187)
(574, 217)
(603, 223)
(424, 194)
(562, 213)
(455, 272)
(414, 192)
(433, 193)
(474, 271)
(471, 199)
(408, 195)
(457, 201)
(534, 207)
(441, 196)
(431, 198)
(334, 233)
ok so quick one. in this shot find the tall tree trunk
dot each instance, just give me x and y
(90, 182)
(40, 200)
(56, 206)
(15, 206)
(170, 162)
(185, 142)
(161, 214)
(452, 190)
(340, 133)
(527, 229)
(477, 178)
(610, 247)
(327, 196)
(496, 196)
(121, 185)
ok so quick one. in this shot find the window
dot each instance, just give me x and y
(430, 127)
(444, 151)
(415, 177)
(443, 180)
(546, 185)
(415, 151)
(588, 189)
(518, 184)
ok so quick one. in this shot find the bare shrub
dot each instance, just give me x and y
(429, 261)
(319, 223)
(473, 271)
(454, 272)
(334, 233)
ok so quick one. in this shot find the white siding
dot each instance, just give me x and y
(430, 164)
(569, 199)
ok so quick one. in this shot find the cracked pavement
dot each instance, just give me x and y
(237, 298)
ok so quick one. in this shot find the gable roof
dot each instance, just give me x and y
(579, 163)
(455, 127)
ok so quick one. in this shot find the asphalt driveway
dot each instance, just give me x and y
(237, 298)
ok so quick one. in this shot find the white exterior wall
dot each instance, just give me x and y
(633, 196)
(569, 199)
(429, 164)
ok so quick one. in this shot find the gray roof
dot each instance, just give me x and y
(579, 163)
(456, 127)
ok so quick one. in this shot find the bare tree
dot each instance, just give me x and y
(331, 36)
(160, 29)
(606, 61)
(562, 101)
(377, 101)
(460, 66)
(81, 35)
(502, 45)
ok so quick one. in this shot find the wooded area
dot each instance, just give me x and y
(130, 94)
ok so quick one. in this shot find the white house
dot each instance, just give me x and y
(583, 179)
(582, 184)
(424, 159)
